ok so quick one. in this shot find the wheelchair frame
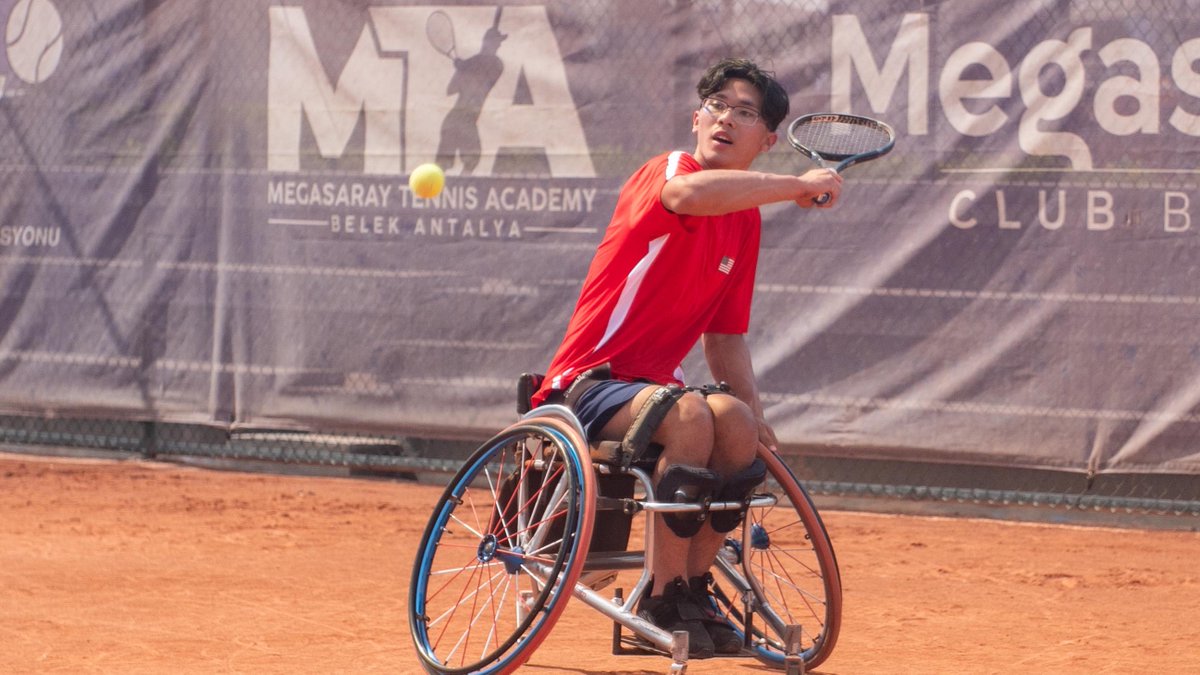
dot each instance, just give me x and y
(533, 545)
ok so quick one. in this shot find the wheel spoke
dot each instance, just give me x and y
(455, 606)
(464, 641)
(520, 514)
(450, 613)
(455, 572)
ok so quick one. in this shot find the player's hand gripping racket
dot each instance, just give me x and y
(842, 138)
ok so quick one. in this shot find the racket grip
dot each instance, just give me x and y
(822, 200)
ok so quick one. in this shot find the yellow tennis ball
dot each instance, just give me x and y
(426, 181)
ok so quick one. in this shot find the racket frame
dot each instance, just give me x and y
(843, 160)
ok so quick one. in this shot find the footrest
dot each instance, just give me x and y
(632, 645)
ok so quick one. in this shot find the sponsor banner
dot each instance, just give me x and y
(205, 214)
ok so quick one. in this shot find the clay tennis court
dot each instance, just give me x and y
(141, 567)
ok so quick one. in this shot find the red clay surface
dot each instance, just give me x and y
(135, 567)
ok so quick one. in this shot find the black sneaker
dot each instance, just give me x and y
(725, 639)
(676, 610)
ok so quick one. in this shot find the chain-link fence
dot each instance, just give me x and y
(1122, 500)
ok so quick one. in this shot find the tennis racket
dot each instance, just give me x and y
(440, 31)
(842, 138)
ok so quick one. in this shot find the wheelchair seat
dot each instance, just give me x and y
(615, 454)
(612, 525)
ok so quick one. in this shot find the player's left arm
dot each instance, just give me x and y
(728, 358)
(716, 191)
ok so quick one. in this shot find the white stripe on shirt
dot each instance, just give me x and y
(632, 283)
(673, 163)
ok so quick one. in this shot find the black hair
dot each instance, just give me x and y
(775, 100)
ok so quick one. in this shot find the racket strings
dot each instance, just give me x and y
(840, 139)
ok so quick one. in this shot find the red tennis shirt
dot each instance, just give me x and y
(659, 281)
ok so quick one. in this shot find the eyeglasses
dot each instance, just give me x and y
(741, 114)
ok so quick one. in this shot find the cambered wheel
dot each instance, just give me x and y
(782, 560)
(503, 550)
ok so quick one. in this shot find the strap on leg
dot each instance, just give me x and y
(647, 421)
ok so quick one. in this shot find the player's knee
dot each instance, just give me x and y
(687, 433)
(735, 434)
(695, 414)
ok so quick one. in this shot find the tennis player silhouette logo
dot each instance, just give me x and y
(473, 79)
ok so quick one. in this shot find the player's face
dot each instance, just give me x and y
(723, 142)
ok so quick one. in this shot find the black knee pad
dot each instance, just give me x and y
(686, 485)
(737, 488)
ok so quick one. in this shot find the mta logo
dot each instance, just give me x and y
(478, 90)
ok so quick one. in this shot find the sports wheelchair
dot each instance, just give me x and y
(536, 516)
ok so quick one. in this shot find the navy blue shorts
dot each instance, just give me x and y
(601, 401)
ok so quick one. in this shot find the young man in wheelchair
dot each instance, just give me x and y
(676, 266)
